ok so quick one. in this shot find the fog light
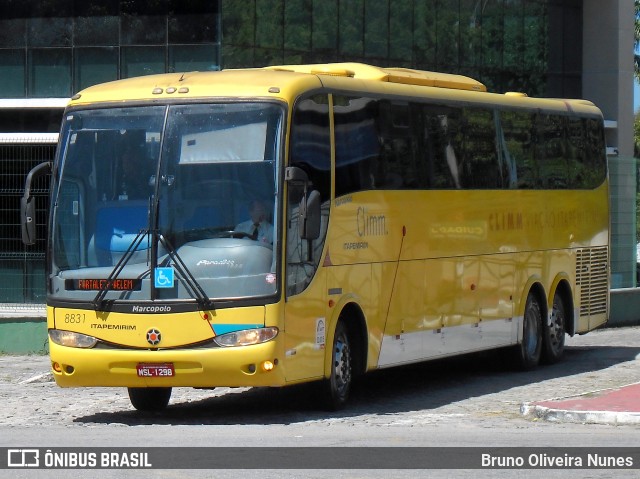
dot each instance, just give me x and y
(267, 366)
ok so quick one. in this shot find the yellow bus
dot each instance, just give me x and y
(272, 226)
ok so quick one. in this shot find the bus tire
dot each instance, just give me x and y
(554, 332)
(338, 386)
(528, 352)
(149, 399)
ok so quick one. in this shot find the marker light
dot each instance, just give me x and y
(267, 366)
(246, 337)
(72, 340)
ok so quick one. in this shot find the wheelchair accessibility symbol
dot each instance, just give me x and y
(164, 278)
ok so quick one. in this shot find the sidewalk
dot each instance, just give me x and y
(608, 406)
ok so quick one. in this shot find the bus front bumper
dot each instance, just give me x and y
(255, 365)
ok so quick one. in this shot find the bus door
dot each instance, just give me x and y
(308, 193)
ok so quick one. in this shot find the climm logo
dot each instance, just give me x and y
(505, 221)
(370, 225)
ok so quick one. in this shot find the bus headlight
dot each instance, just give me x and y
(246, 337)
(72, 340)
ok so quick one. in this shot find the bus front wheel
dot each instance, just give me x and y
(338, 385)
(529, 350)
(149, 399)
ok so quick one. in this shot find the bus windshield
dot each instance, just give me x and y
(152, 201)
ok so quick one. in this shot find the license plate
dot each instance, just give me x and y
(164, 370)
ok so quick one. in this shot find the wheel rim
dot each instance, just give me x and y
(342, 365)
(531, 331)
(556, 328)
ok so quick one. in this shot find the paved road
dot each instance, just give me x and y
(471, 401)
(478, 388)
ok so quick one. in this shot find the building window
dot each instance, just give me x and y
(94, 65)
(137, 61)
(96, 31)
(143, 29)
(193, 29)
(12, 73)
(186, 58)
(49, 32)
(49, 72)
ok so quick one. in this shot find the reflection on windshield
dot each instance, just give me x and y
(201, 177)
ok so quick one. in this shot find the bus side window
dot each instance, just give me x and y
(399, 162)
(441, 125)
(551, 152)
(518, 129)
(595, 169)
(359, 146)
(479, 161)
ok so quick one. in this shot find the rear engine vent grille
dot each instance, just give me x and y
(592, 273)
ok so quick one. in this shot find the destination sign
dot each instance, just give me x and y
(102, 284)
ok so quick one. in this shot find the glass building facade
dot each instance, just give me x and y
(54, 48)
(510, 45)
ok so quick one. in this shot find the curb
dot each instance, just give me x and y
(547, 411)
(534, 411)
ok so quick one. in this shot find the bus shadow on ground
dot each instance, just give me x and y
(424, 387)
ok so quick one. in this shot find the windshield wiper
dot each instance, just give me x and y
(98, 301)
(190, 282)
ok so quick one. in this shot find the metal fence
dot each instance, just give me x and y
(22, 268)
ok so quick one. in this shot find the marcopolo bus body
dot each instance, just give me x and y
(273, 226)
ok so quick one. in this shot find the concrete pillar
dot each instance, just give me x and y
(607, 80)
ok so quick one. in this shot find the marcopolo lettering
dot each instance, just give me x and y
(151, 309)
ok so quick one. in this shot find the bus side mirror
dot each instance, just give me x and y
(309, 211)
(28, 204)
(294, 173)
(27, 214)
(309, 216)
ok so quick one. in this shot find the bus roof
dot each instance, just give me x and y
(393, 75)
(249, 83)
(286, 82)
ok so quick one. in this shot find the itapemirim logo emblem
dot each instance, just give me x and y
(154, 337)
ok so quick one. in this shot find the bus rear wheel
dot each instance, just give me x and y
(554, 331)
(338, 385)
(149, 399)
(528, 352)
